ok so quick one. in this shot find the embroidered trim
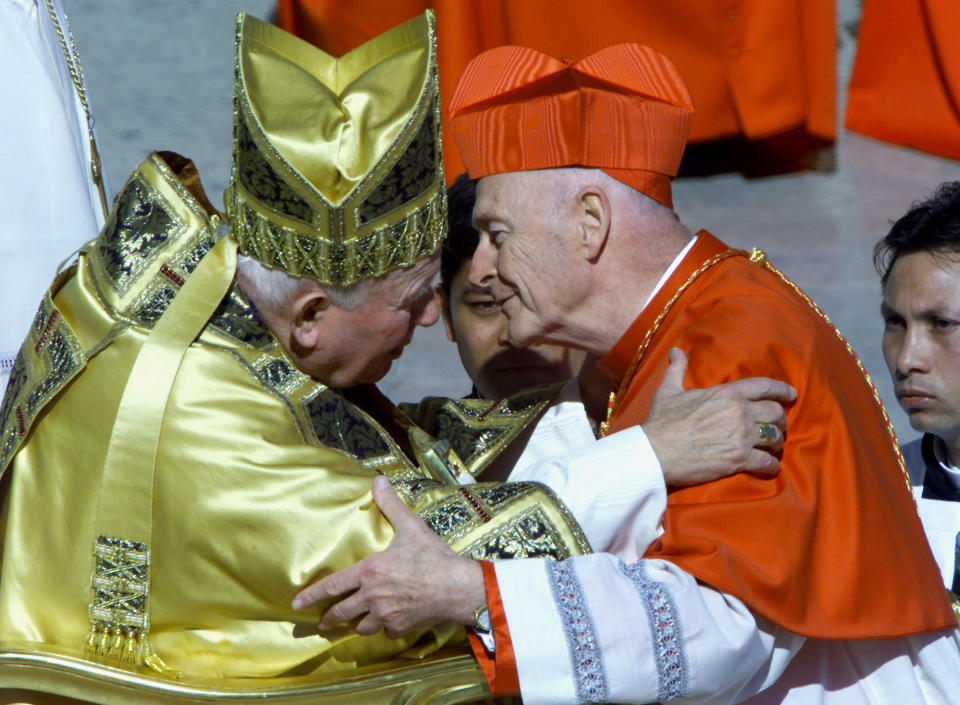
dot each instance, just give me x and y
(7, 360)
(586, 661)
(666, 632)
(475, 504)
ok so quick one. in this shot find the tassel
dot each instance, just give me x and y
(132, 649)
(126, 646)
(115, 652)
(93, 639)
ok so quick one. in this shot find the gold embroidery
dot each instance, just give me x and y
(392, 217)
(120, 584)
(528, 535)
(49, 358)
(154, 239)
(478, 430)
(119, 612)
(136, 230)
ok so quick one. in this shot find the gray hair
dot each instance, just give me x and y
(275, 287)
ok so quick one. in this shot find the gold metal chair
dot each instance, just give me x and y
(41, 675)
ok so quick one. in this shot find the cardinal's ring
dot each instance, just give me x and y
(768, 434)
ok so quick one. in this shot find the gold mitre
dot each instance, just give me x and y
(337, 170)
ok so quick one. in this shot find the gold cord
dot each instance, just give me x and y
(617, 397)
(756, 256)
(72, 57)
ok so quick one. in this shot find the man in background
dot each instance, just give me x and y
(919, 266)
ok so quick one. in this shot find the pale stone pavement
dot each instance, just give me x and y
(160, 77)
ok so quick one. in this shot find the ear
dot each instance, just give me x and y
(444, 305)
(306, 317)
(593, 221)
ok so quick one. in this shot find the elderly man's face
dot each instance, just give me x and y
(359, 344)
(921, 340)
(524, 254)
(476, 324)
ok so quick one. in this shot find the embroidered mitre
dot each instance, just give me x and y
(337, 170)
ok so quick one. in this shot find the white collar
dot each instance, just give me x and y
(670, 270)
(952, 471)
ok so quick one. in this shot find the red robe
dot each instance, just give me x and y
(832, 546)
(905, 86)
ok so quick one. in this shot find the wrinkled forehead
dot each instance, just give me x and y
(500, 194)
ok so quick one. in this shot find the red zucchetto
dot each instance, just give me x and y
(624, 110)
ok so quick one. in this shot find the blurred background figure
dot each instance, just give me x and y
(762, 74)
(907, 91)
(54, 197)
(919, 265)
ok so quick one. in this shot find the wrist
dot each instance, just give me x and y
(470, 595)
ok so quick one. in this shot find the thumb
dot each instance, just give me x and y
(389, 502)
(673, 377)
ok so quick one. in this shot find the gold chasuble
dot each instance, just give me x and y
(170, 479)
(262, 479)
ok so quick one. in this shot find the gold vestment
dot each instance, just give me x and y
(261, 482)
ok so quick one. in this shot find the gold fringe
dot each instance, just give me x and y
(126, 646)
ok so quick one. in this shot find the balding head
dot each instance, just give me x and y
(571, 253)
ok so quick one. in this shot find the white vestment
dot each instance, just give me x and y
(941, 518)
(611, 628)
(49, 204)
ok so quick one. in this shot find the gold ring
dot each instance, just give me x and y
(768, 434)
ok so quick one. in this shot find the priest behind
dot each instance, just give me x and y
(815, 585)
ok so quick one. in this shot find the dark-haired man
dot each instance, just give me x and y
(919, 266)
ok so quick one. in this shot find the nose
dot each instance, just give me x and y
(912, 353)
(483, 266)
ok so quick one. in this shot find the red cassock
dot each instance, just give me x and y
(755, 68)
(905, 86)
(832, 546)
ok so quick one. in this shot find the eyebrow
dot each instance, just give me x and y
(926, 313)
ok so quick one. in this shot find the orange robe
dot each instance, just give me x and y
(754, 68)
(905, 86)
(831, 547)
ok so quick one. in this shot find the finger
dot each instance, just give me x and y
(345, 581)
(769, 437)
(344, 611)
(761, 462)
(393, 508)
(368, 626)
(756, 388)
(767, 412)
(673, 377)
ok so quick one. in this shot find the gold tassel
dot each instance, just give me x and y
(126, 646)
(116, 645)
(132, 648)
(92, 639)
